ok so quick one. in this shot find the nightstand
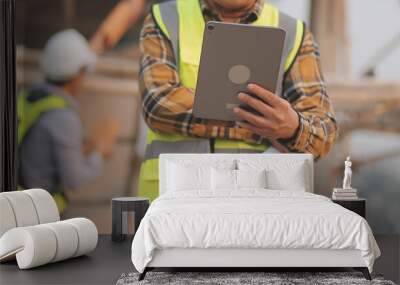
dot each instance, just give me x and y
(357, 206)
(120, 209)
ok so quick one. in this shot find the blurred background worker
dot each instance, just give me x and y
(52, 153)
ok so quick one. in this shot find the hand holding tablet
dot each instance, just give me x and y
(276, 120)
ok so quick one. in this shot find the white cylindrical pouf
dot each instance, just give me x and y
(87, 233)
(7, 218)
(41, 244)
(67, 240)
(34, 246)
(45, 205)
(23, 208)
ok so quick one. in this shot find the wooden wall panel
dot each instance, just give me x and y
(96, 105)
(329, 25)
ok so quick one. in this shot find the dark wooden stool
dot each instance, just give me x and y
(120, 209)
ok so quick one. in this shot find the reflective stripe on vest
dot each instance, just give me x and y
(186, 41)
(30, 106)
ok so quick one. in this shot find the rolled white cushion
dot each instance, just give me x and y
(45, 205)
(41, 244)
(33, 246)
(7, 218)
(87, 233)
(23, 208)
(67, 240)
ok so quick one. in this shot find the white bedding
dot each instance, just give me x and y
(251, 218)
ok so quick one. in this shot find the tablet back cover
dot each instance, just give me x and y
(232, 56)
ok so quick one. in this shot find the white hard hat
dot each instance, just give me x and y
(65, 54)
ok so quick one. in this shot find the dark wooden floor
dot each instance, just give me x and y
(110, 260)
(103, 266)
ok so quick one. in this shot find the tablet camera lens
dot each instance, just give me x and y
(210, 27)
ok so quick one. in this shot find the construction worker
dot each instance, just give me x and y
(299, 118)
(50, 136)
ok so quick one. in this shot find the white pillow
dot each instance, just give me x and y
(228, 179)
(251, 178)
(290, 175)
(223, 179)
(290, 180)
(188, 177)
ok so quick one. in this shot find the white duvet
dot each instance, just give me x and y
(250, 219)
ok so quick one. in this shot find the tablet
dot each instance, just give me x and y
(232, 56)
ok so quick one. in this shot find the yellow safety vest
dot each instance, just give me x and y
(183, 23)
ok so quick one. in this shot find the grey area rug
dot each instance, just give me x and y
(269, 278)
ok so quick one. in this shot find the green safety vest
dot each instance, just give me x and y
(31, 105)
(183, 23)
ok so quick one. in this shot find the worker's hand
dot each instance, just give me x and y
(88, 146)
(105, 136)
(278, 120)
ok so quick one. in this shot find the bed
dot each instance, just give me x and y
(247, 211)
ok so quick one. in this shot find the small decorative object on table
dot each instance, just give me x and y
(347, 192)
(347, 196)
(120, 209)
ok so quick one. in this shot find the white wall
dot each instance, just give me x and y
(297, 8)
(372, 23)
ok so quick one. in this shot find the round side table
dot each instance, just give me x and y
(120, 209)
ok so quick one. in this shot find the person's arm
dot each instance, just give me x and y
(166, 104)
(303, 120)
(305, 89)
(73, 167)
(122, 17)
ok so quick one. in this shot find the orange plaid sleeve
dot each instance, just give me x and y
(305, 89)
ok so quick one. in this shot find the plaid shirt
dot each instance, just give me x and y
(167, 105)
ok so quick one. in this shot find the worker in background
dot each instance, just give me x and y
(52, 154)
(299, 118)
